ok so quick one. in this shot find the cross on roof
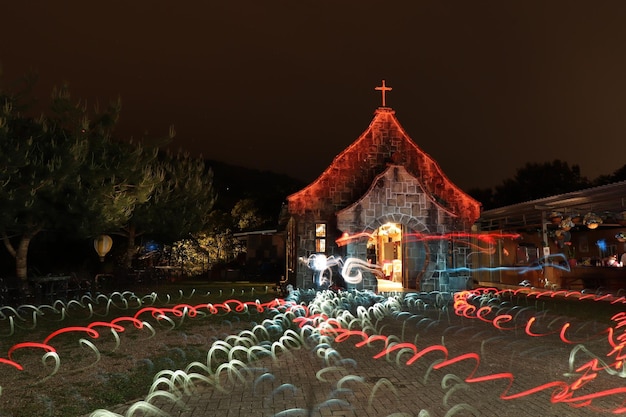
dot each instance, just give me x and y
(383, 89)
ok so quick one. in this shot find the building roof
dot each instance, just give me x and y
(607, 201)
(255, 232)
(352, 171)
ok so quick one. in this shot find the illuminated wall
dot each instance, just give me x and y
(397, 197)
(355, 171)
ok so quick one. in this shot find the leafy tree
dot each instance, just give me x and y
(216, 243)
(618, 175)
(117, 178)
(180, 204)
(245, 215)
(63, 171)
(534, 181)
(268, 190)
(248, 199)
(217, 240)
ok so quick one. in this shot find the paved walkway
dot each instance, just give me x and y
(342, 379)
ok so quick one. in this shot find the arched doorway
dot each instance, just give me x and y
(385, 248)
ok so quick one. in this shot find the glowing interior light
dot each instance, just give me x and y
(592, 220)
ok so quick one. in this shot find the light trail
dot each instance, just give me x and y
(490, 239)
(328, 316)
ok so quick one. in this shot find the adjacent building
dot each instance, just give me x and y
(563, 241)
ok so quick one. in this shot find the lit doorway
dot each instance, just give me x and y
(384, 248)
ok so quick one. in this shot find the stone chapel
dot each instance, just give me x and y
(385, 201)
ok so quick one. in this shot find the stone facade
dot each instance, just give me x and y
(396, 196)
(382, 176)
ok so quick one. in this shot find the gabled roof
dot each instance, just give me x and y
(388, 172)
(352, 171)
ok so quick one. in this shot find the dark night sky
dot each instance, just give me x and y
(481, 86)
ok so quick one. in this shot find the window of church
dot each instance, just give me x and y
(320, 237)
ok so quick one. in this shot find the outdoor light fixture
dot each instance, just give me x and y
(566, 223)
(576, 218)
(556, 217)
(591, 220)
(102, 244)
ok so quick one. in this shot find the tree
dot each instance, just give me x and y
(484, 196)
(216, 242)
(245, 215)
(248, 199)
(534, 181)
(62, 170)
(617, 175)
(180, 204)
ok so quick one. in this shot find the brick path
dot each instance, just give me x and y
(350, 382)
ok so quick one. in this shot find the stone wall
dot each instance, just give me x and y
(426, 203)
(397, 197)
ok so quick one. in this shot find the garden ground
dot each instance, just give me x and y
(319, 376)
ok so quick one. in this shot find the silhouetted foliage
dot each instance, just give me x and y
(267, 190)
(484, 196)
(618, 175)
(63, 171)
(534, 181)
(538, 180)
(180, 204)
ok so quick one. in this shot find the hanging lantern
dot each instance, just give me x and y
(591, 220)
(102, 244)
(566, 224)
(609, 217)
(556, 217)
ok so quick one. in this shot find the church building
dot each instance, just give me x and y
(386, 202)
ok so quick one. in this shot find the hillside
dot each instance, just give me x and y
(269, 189)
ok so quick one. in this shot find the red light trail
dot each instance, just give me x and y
(576, 393)
(488, 238)
(158, 313)
(561, 391)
